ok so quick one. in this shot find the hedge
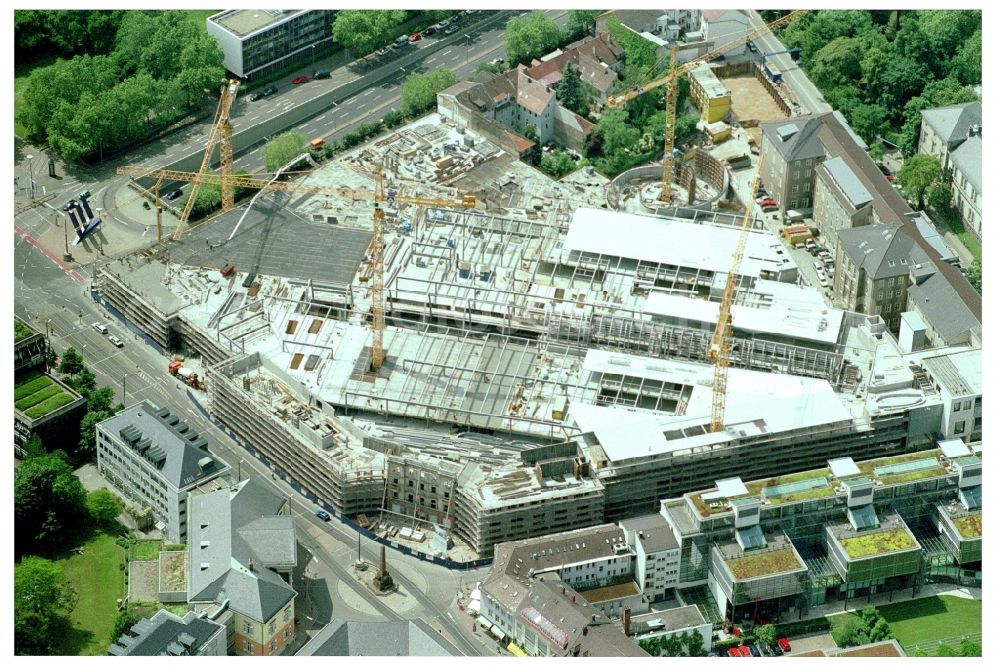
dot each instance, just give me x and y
(50, 405)
(805, 627)
(38, 397)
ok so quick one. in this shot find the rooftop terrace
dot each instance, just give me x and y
(36, 395)
(22, 330)
(971, 526)
(756, 564)
(877, 543)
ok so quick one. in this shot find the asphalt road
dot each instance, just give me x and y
(46, 296)
(810, 99)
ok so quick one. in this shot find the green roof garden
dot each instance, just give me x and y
(22, 331)
(37, 395)
(970, 527)
(793, 487)
(918, 472)
(767, 563)
(877, 543)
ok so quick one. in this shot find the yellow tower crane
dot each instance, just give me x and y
(670, 80)
(722, 339)
(379, 196)
(222, 134)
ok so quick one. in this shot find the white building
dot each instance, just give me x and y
(959, 378)
(256, 42)
(154, 458)
(657, 554)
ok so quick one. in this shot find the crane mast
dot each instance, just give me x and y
(722, 339)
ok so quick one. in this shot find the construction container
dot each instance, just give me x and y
(485, 273)
(316, 144)
(464, 270)
(227, 270)
(797, 233)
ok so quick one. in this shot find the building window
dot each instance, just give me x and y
(288, 614)
(287, 633)
(247, 628)
(805, 187)
(957, 407)
(248, 647)
(274, 646)
(967, 405)
(959, 428)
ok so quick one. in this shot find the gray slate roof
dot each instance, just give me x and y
(952, 123)
(796, 139)
(230, 527)
(656, 534)
(174, 437)
(968, 158)
(855, 192)
(165, 633)
(638, 19)
(941, 308)
(883, 251)
(402, 638)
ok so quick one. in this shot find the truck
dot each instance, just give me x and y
(186, 375)
(772, 72)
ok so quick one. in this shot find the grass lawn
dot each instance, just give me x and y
(933, 618)
(99, 582)
(146, 550)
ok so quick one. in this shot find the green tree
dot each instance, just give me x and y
(816, 29)
(946, 651)
(570, 91)
(364, 30)
(124, 621)
(674, 647)
(917, 175)
(971, 648)
(104, 508)
(492, 68)
(71, 363)
(880, 631)
(852, 633)
(766, 633)
(694, 644)
(891, 80)
(837, 63)
(557, 164)
(939, 196)
(974, 274)
(100, 399)
(283, 148)
(34, 447)
(42, 599)
(82, 382)
(534, 157)
(967, 65)
(582, 22)
(686, 128)
(870, 120)
(419, 91)
(531, 36)
(48, 502)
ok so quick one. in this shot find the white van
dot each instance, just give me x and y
(100, 328)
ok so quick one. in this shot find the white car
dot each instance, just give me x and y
(116, 341)
(822, 280)
(818, 265)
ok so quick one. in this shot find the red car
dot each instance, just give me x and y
(784, 645)
(766, 202)
(734, 652)
(300, 79)
(889, 177)
(415, 37)
(745, 651)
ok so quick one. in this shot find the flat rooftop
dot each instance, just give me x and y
(960, 373)
(656, 533)
(891, 536)
(708, 81)
(242, 22)
(746, 565)
(608, 592)
(673, 619)
(278, 242)
(757, 402)
(673, 242)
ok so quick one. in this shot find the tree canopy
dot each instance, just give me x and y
(917, 175)
(42, 599)
(557, 164)
(283, 148)
(104, 508)
(160, 67)
(364, 30)
(582, 22)
(49, 503)
(419, 91)
(570, 92)
(531, 36)
(66, 32)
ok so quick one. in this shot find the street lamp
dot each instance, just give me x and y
(314, 57)
(468, 50)
(31, 175)
(123, 387)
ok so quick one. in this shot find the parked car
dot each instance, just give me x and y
(784, 644)
(496, 61)
(116, 341)
(734, 652)
(830, 270)
(300, 79)
(451, 29)
(415, 37)
(265, 92)
(321, 74)
(767, 201)
(323, 515)
(428, 32)
(823, 282)
(818, 265)
(745, 651)
(402, 40)
(99, 327)
(752, 47)
(175, 194)
(385, 51)
(754, 650)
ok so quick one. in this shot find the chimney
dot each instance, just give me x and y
(627, 621)
(250, 564)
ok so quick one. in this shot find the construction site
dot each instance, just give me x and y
(434, 339)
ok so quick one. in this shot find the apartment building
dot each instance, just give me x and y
(841, 201)
(154, 458)
(954, 136)
(709, 94)
(598, 60)
(241, 556)
(958, 375)
(875, 266)
(256, 42)
(30, 348)
(165, 634)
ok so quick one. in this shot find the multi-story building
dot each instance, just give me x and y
(780, 544)
(154, 458)
(875, 266)
(953, 135)
(959, 378)
(841, 201)
(791, 153)
(709, 94)
(256, 42)
(657, 555)
(47, 407)
(598, 60)
(165, 634)
(30, 348)
(949, 320)
(241, 556)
